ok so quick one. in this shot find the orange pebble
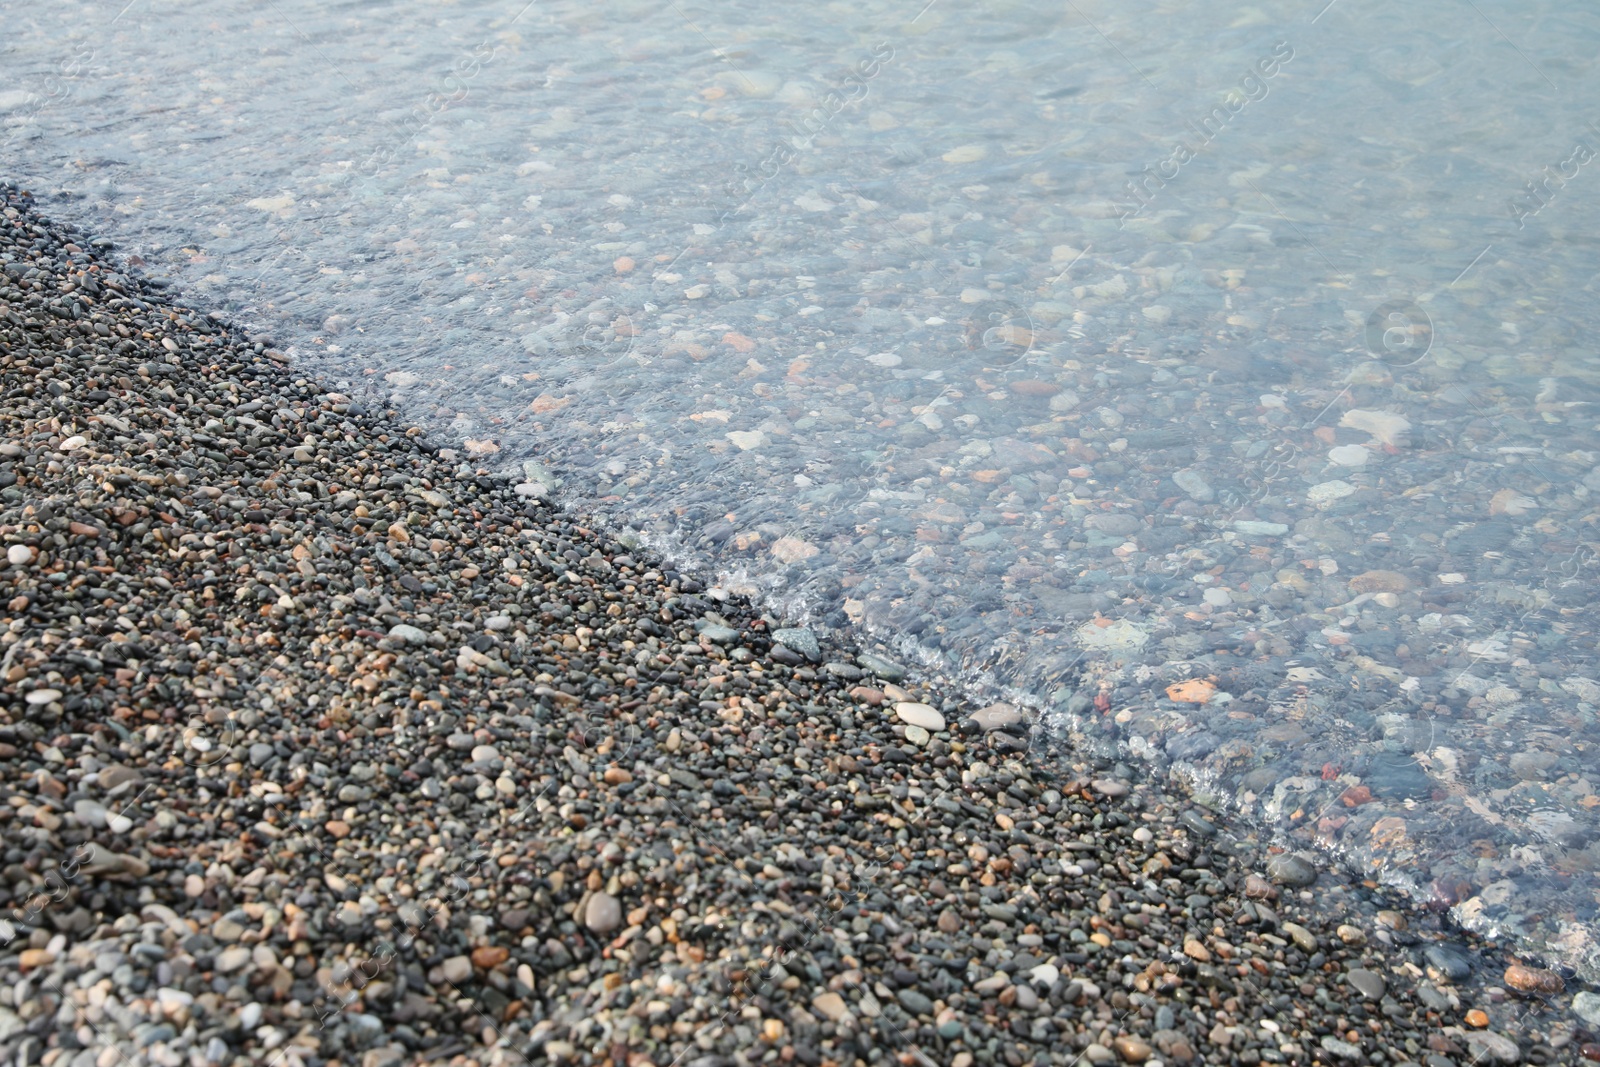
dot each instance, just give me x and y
(623, 264)
(1477, 1019)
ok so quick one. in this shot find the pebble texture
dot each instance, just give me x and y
(320, 747)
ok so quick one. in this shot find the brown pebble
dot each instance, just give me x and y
(1196, 951)
(337, 828)
(84, 529)
(1351, 935)
(1034, 387)
(1380, 582)
(1591, 1051)
(1131, 1049)
(1258, 888)
(488, 957)
(30, 958)
(949, 921)
(1533, 981)
(618, 775)
(867, 695)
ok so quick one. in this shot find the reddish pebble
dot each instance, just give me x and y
(1356, 795)
(488, 957)
(1034, 387)
(622, 264)
(337, 828)
(867, 695)
(30, 958)
(1533, 981)
(1258, 888)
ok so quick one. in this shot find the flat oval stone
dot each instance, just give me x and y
(603, 913)
(1447, 963)
(923, 715)
(887, 669)
(1533, 981)
(1303, 938)
(914, 1002)
(411, 635)
(998, 717)
(1290, 869)
(1369, 984)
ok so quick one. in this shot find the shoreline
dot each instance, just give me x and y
(339, 754)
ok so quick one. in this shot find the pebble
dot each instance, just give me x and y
(1291, 869)
(411, 635)
(886, 669)
(1349, 455)
(800, 640)
(1305, 939)
(488, 957)
(1195, 485)
(1533, 981)
(1486, 1046)
(923, 715)
(998, 717)
(231, 959)
(914, 1002)
(604, 913)
(1586, 1006)
(830, 1006)
(1368, 983)
(1258, 888)
(1446, 963)
(1131, 1049)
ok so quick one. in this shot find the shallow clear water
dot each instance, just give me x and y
(1213, 376)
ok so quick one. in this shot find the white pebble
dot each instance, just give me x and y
(915, 714)
(1350, 455)
(19, 555)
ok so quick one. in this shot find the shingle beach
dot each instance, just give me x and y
(320, 747)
